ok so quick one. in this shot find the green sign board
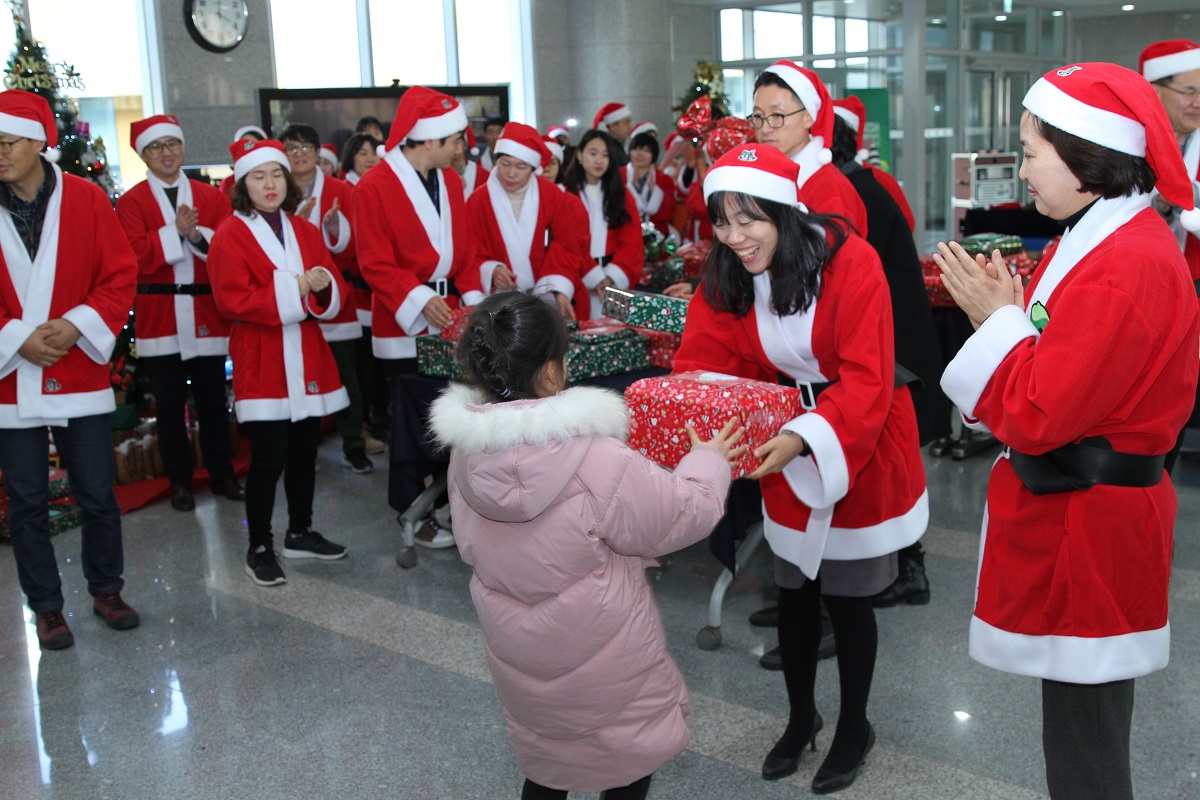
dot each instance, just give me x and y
(879, 123)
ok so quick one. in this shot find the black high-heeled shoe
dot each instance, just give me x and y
(776, 767)
(827, 781)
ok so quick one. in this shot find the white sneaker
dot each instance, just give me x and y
(434, 537)
(442, 516)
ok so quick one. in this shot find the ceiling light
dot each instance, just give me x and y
(572, 122)
(1056, 13)
(1001, 17)
(1127, 7)
(935, 22)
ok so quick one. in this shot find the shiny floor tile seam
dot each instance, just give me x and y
(964, 546)
(727, 732)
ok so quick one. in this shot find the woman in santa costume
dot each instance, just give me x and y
(614, 254)
(652, 189)
(467, 165)
(791, 297)
(525, 236)
(854, 113)
(358, 156)
(1086, 376)
(273, 277)
(251, 133)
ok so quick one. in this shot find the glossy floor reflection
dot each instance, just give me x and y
(360, 680)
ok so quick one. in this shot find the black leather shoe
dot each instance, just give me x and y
(765, 617)
(827, 782)
(229, 487)
(772, 660)
(776, 767)
(181, 499)
(911, 586)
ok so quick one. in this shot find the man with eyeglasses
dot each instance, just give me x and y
(326, 205)
(67, 277)
(170, 219)
(794, 112)
(1173, 67)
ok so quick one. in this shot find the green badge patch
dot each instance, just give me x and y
(1039, 316)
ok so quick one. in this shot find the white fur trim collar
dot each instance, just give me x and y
(460, 419)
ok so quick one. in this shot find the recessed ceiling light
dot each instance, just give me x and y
(1001, 17)
(572, 122)
(1127, 7)
(1056, 13)
(935, 21)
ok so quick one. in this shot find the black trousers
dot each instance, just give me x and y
(634, 791)
(280, 447)
(1085, 737)
(169, 377)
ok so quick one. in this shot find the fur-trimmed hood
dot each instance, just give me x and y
(513, 459)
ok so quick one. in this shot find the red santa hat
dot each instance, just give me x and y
(242, 131)
(27, 115)
(853, 113)
(610, 113)
(247, 155)
(145, 131)
(425, 114)
(643, 127)
(759, 170)
(1164, 59)
(524, 143)
(555, 148)
(330, 154)
(814, 97)
(558, 130)
(1116, 108)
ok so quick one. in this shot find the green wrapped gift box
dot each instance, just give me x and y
(64, 515)
(985, 243)
(435, 357)
(604, 351)
(645, 310)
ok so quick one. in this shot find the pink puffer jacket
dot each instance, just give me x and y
(559, 519)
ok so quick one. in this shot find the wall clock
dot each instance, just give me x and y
(216, 25)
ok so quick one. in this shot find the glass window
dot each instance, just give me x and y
(941, 23)
(997, 33)
(301, 31)
(824, 35)
(421, 59)
(857, 35)
(485, 36)
(739, 87)
(1053, 35)
(778, 34)
(732, 41)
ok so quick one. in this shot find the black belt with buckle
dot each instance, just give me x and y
(603, 261)
(809, 392)
(193, 289)
(1079, 466)
(444, 287)
(358, 283)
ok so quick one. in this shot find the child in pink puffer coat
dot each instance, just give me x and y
(559, 520)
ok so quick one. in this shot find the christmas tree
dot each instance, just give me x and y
(707, 79)
(29, 69)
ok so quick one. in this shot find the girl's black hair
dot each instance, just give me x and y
(509, 337)
(845, 142)
(805, 248)
(239, 195)
(1102, 170)
(352, 146)
(612, 187)
(646, 141)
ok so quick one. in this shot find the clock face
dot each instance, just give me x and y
(217, 25)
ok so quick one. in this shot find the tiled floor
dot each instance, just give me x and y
(360, 680)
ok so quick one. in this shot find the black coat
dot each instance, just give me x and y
(917, 345)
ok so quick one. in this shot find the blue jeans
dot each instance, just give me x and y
(86, 448)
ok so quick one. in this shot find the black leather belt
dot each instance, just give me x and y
(1079, 466)
(809, 392)
(358, 283)
(192, 289)
(444, 287)
(603, 261)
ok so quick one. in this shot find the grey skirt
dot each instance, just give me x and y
(861, 578)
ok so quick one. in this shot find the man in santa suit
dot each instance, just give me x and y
(469, 170)
(66, 285)
(327, 204)
(854, 113)
(617, 120)
(793, 111)
(329, 162)
(525, 235)
(182, 340)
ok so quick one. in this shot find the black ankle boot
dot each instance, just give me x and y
(780, 765)
(827, 781)
(911, 587)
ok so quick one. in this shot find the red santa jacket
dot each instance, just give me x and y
(544, 248)
(345, 326)
(187, 324)
(655, 202)
(474, 177)
(861, 493)
(892, 185)
(282, 366)
(403, 243)
(1073, 585)
(619, 248)
(84, 272)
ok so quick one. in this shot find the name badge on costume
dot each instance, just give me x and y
(1039, 316)
(203, 331)
(52, 385)
(313, 388)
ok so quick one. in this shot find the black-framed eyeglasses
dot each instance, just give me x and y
(773, 120)
(170, 145)
(6, 146)
(1190, 92)
(299, 149)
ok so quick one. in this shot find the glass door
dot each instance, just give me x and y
(993, 105)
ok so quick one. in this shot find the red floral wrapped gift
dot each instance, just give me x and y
(459, 323)
(660, 410)
(663, 346)
(938, 296)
